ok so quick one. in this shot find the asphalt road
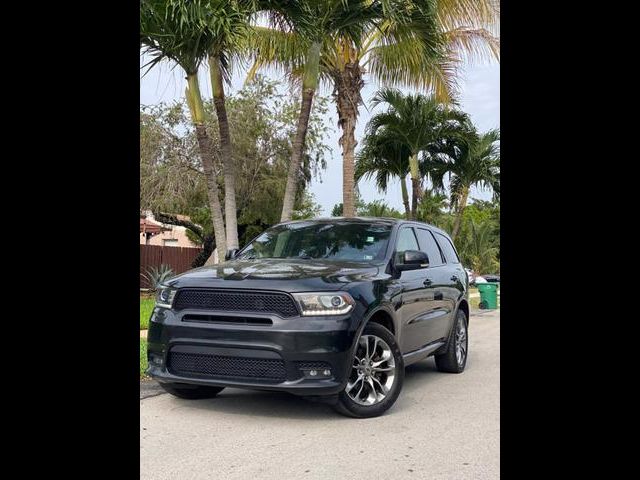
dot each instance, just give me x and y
(443, 426)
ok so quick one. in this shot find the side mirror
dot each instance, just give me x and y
(231, 254)
(413, 260)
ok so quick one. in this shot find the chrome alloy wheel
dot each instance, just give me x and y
(373, 371)
(461, 342)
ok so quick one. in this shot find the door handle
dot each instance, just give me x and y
(427, 282)
(454, 278)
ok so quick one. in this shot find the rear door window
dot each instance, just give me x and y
(429, 246)
(447, 248)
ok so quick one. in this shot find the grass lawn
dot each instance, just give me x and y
(474, 303)
(143, 357)
(146, 307)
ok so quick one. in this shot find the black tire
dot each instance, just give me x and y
(347, 406)
(448, 360)
(191, 392)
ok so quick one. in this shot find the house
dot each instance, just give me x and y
(153, 232)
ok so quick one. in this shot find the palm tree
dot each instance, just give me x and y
(179, 31)
(299, 32)
(228, 20)
(420, 44)
(472, 159)
(419, 123)
(385, 157)
(407, 50)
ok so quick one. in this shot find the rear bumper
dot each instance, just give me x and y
(295, 344)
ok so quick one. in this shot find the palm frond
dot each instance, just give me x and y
(473, 13)
(280, 50)
(472, 45)
(186, 31)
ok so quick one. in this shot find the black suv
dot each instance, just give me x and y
(332, 309)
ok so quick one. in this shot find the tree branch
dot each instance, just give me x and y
(174, 220)
(208, 245)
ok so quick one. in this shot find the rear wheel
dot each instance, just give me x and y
(190, 392)
(454, 358)
(376, 375)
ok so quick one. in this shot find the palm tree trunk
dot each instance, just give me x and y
(230, 211)
(309, 85)
(296, 156)
(194, 99)
(415, 185)
(348, 85)
(405, 197)
(462, 203)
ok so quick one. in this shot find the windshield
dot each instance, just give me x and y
(311, 240)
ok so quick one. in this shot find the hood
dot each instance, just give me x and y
(291, 275)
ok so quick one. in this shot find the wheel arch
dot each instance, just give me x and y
(464, 306)
(383, 317)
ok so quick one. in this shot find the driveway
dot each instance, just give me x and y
(443, 426)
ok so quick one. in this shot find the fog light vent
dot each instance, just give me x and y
(314, 369)
(156, 359)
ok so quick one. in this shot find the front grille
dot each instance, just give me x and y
(225, 300)
(194, 364)
(312, 365)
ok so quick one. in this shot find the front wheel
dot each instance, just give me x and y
(376, 375)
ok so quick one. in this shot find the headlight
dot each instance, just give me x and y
(329, 303)
(164, 297)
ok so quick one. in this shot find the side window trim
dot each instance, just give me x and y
(425, 229)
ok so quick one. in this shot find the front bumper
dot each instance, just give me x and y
(296, 344)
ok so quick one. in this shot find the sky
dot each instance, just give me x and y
(479, 97)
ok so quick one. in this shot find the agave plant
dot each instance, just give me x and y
(156, 276)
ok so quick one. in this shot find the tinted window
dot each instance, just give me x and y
(428, 245)
(310, 240)
(447, 248)
(406, 241)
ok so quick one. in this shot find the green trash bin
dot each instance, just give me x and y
(488, 295)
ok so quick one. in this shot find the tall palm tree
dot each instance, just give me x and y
(417, 43)
(419, 123)
(228, 20)
(385, 157)
(407, 50)
(179, 31)
(299, 32)
(472, 159)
